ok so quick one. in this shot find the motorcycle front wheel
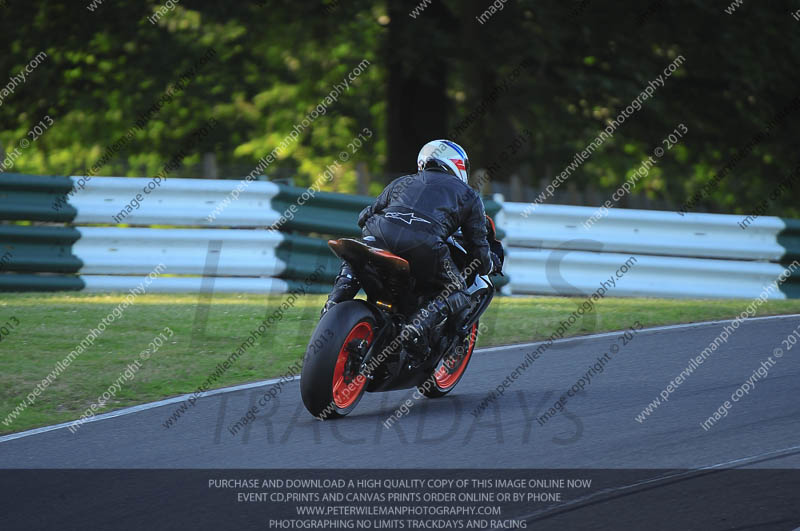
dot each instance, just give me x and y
(452, 367)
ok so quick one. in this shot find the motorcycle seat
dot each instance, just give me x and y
(359, 252)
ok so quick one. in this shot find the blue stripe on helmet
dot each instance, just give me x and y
(456, 148)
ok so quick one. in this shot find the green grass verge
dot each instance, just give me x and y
(51, 325)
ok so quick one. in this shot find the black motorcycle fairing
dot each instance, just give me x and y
(391, 296)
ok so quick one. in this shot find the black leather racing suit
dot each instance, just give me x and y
(413, 217)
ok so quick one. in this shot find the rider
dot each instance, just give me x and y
(413, 217)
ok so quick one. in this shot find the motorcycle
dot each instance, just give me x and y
(361, 345)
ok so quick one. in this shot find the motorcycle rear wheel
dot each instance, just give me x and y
(330, 384)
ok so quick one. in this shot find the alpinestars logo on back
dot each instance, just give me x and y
(407, 217)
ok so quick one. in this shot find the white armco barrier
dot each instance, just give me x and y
(131, 251)
(551, 251)
(643, 232)
(114, 258)
(105, 283)
(552, 272)
(185, 202)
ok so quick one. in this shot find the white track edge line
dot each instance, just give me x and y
(144, 407)
(251, 385)
(619, 332)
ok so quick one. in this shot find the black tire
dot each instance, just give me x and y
(431, 388)
(322, 354)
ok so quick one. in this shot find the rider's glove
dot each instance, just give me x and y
(497, 265)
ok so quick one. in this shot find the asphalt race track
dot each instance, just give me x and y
(597, 430)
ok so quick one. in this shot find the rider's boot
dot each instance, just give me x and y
(345, 288)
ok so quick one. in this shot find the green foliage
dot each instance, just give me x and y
(104, 69)
(276, 61)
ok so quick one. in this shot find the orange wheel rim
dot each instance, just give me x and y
(348, 385)
(451, 368)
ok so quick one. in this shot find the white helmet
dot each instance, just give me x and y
(446, 156)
